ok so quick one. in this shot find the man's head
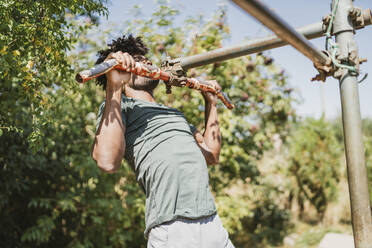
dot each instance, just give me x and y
(135, 47)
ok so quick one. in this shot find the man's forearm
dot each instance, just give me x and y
(212, 135)
(109, 145)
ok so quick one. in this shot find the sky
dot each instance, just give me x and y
(300, 69)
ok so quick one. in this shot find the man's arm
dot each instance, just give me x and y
(210, 141)
(109, 143)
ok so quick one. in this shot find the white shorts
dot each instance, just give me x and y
(206, 232)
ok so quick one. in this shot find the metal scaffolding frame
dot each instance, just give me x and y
(344, 32)
(346, 21)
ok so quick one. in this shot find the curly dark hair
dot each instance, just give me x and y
(129, 44)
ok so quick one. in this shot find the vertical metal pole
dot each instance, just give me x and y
(356, 169)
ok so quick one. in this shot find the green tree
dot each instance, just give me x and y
(314, 163)
(35, 37)
(52, 193)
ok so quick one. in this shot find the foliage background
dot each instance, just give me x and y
(277, 172)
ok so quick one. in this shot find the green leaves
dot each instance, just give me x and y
(41, 232)
(53, 193)
(34, 39)
(36, 152)
(314, 163)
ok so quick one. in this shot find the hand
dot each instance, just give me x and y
(117, 78)
(209, 97)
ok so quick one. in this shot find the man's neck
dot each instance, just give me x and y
(139, 94)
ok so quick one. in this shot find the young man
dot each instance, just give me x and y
(168, 155)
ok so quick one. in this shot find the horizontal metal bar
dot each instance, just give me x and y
(310, 31)
(282, 29)
(252, 46)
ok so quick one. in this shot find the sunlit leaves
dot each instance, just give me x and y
(34, 39)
